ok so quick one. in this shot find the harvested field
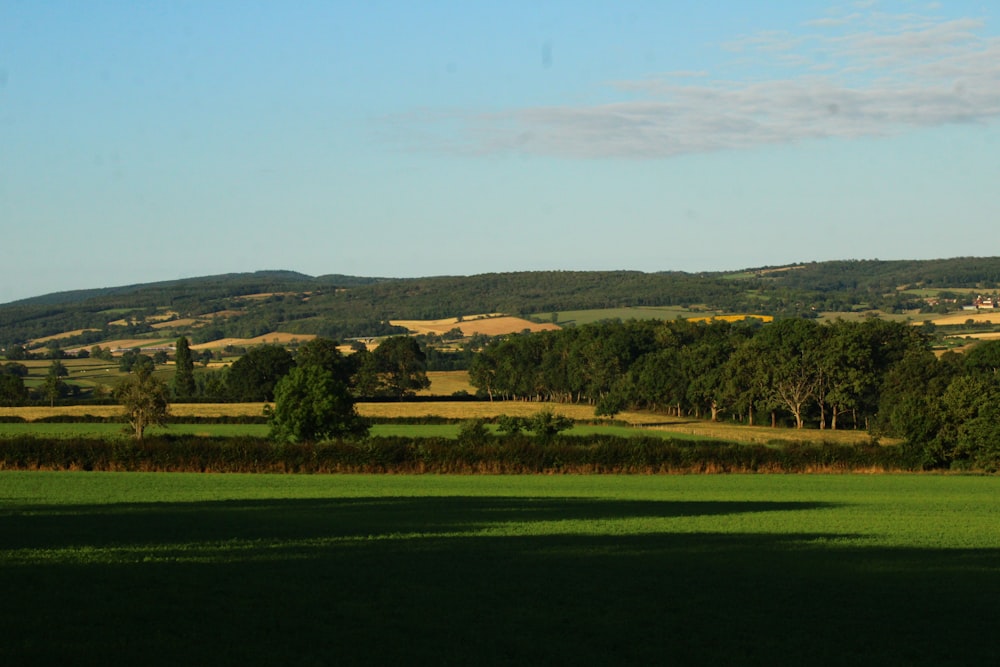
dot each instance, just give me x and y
(986, 335)
(446, 383)
(58, 336)
(271, 338)
(183, 322)
(490, 326)
(128, 344)
(965, 316)
(731, 318)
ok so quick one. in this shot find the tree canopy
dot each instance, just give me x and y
(144, 398)
(313, 401)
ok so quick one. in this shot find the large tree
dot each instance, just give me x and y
(399, 366)
(311, 404)
(54, 387)
(12, 390)
(184, 384)
(253, 376)
(144, 398)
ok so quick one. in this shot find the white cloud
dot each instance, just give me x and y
(853, 76)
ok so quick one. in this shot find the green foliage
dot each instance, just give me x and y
(133, 360)
(144, 398)
(478, 453)
(184, 383)
(473, 432)
(395, 369)
(253, 376)
(546, 424)
(12, 390)
(312, 405)
(511, 425)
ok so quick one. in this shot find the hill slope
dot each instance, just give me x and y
(245, 305)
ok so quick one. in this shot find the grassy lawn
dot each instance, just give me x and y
(111, 568)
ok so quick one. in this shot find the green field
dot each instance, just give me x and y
(103, 430)
(580, 317)
(106, 568)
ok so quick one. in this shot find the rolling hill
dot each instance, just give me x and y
(249, 305)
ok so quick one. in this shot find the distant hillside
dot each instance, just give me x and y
(245, 305)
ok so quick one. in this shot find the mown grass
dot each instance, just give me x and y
(102, 568)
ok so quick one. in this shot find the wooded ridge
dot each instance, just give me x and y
(245, 305)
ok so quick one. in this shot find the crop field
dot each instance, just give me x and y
(964, 316)
(446, 383)
(490, 325)
(133, 568)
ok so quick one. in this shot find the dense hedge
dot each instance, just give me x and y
(517, 454)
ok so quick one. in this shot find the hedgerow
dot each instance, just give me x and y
(515, 454)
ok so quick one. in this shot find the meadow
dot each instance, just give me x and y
(166, 569)
(638, 422)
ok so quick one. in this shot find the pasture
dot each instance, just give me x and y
(105, 568)
(641, 421)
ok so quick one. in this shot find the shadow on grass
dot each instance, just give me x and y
(408, 581)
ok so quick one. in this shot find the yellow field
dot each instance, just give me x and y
(731, 318)
(183, 322)
(489, 325)
(965, 316)
(468, 410)
(58, 336)
(446, 383)
(274, 337)
(986, 335)
(127, 344)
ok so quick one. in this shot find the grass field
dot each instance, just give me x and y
(693, 428)
(110, 430)
(104, 568)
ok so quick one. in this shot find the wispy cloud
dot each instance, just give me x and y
(856, 74)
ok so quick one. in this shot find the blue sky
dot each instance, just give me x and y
(144, 141)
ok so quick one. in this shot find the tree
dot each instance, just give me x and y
(400, 365)
(54, 387)
(311, 404)
(325, 353)
(789, 348)
(546, 424)
(144, 398)
(184, 385)
(253, 376)
(133, 358)
(17, 353)
(12, 390)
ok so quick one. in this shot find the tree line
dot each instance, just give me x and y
(876, 375)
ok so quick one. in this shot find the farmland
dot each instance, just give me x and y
(234, 569)
(642, 422)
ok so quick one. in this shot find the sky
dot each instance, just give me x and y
(153, 140)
